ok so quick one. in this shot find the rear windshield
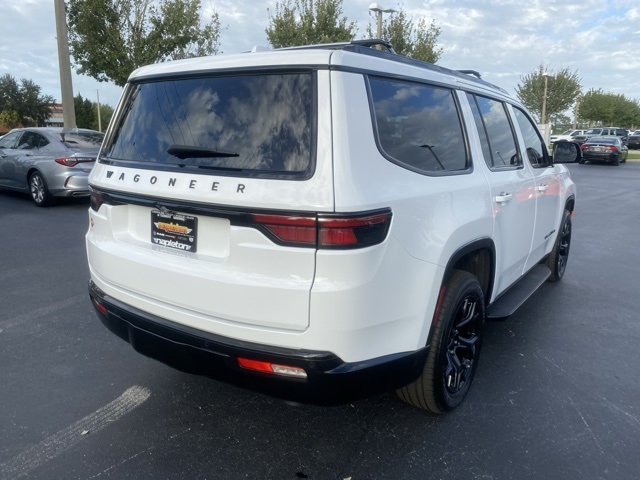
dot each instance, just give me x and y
(82, 139)
(602, 140)
(259, 123)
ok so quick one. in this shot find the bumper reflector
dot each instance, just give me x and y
(272, 368)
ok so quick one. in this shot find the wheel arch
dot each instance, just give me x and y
(478, 258)
(30, 172)
(570, 203)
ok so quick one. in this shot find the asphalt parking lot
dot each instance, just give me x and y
(556, 394)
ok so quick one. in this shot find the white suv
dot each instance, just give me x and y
(322, 223)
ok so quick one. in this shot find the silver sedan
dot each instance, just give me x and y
(48, 162)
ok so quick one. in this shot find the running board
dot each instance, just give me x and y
(512, 299)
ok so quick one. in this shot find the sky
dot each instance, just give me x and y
(502, 39)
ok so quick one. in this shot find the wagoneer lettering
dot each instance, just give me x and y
(190, 183)
(370, 213)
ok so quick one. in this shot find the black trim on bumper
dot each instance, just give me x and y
(329, 381)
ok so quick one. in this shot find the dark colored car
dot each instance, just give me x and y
(634, 140)
(604, 149)
(48, 162)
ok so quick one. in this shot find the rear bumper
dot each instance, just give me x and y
(595, 157)
(70, 185)
(329, 380)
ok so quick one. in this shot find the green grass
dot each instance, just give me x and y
(634, 155)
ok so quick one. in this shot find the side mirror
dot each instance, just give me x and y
(566, 152)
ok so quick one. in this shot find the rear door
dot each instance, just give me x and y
(512, 189)
(548, 194)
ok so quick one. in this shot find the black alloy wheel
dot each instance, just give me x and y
(559, 256)
(455, 347)
(463, 347)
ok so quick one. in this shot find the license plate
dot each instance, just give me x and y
(598, 149)
(174, 230)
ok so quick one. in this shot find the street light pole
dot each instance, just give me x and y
(99, 117)
(68, 108)
(543, 117)
(374, 7)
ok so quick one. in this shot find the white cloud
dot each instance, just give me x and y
(502, 39)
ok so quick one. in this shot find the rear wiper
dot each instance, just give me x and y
(186, 151)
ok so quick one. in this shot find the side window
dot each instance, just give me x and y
(536, 149)
(482, 132)
(31, 141)
(502, 143)
(9, 140)
(418, 126)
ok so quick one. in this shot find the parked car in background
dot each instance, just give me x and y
(604, 149)
(592, 132)
(633, 141)
(48, 162)
(621, 133)
(567, 135)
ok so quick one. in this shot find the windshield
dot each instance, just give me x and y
(260, 122)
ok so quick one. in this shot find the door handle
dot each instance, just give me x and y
(542, 188)
(503, 197)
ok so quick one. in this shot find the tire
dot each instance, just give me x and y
(557, 260)
(39, 191)
(616, 162)
(453, 357)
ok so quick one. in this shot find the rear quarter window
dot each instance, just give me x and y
(264, 122)
(418, 126)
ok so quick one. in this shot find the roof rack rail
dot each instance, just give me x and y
(372, 42)
(366, 47)
(475, 73)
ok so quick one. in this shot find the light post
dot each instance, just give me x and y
(374, 7)
(99, 118)
(68, 108)
(543, 117)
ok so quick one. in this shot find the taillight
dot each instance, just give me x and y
(272, 368)
(73, 161)
(584, 147)
(613, 149)
(95, 199)
(289, 229)
(101, 308)
(326, 230)
(357, 231)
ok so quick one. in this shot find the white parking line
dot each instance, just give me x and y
(57, 443)
(43, 311)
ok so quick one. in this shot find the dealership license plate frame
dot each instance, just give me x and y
(174, 230)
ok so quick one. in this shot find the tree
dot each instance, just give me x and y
(601, 108)
(106, 112)
(563, 89)
(85, 116)
(307, 22)
(87, 113)
(411, 40)
(110, 38)
(9, 119)
(23, 104)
